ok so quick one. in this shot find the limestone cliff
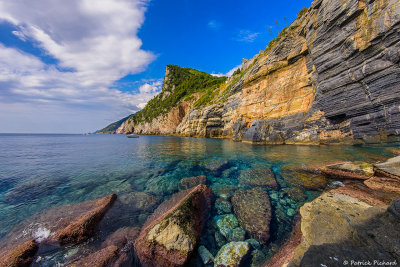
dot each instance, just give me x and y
(332, 76)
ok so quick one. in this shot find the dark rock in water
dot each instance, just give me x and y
(254, 212)
(31, 189)
(160, 185)
(205, 255)
(258, 177)
(223, 206)
(190, 182)
(139, 201)
(305, 179)
(219, 238)
(102, 258)
(225, 224)
(20, 255)
(171, 234)
(72, 223)
(216, 166)
(122, 237)
(295, 193)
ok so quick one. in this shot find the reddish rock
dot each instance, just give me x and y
(366, 194)
(286, 252)
(72, 223)
(386, 184)
(121, 237)
(102, 258)
(343, 175)
(82, 228)
(171, 234)
(253, 210)
(190, 182)
(20, 255)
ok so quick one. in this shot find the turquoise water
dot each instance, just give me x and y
(38, 172)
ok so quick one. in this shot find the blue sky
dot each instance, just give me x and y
(75, 66)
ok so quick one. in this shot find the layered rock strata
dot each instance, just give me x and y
(330, 78)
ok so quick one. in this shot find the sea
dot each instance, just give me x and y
(42, 171)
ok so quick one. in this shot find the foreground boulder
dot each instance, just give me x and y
(68, 224)
(172, 233)
(20, 255)
(253, 209)
(339, 227)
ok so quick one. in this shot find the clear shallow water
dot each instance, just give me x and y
(38, 172)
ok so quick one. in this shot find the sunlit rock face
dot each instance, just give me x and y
(331, 77)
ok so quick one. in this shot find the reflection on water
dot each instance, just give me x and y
(38, 172)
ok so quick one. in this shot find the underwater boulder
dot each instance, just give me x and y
(263, 177)
(139, 201)
(253, 209)
(305, 179)
(232, 254)
(190, 182)
(171, 234)
(102, 258)
(222, 206)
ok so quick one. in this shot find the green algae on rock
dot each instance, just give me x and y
(232, 254)
(303, 178)
(253, 209)
(258, 177)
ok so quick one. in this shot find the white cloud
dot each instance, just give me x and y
(214, 25)
(95, 40)
(228, 74)
(247, 36)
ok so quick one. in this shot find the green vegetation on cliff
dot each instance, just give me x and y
(179, 84)
(113, 126)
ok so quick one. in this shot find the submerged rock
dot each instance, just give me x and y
(263, 177)
(20, 255)
(171, 234)
(190, 182)
(254, 212)
(102, 258)
(232, 254)
(162, 185)
(139, 201)
(223, 206)
(295, 193)
(205, 255)
(68, 224)
(226, 223)
(122, 237)
(305, 179)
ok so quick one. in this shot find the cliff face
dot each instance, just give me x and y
(333, 76)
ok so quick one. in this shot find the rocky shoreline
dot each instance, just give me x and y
(356, 220)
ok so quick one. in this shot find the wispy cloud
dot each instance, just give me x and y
(98, 43)
(214, 25)
(247, 36)
(228, 74)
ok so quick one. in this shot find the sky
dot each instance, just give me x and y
(75, 66)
